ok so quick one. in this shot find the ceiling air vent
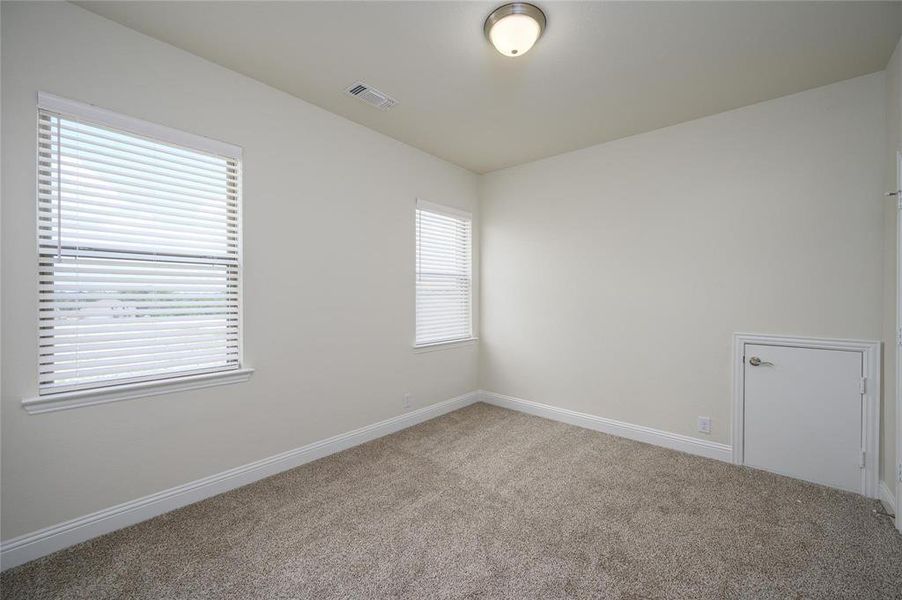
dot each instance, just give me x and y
(371, 96)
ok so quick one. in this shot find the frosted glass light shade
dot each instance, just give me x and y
(514, 28)
(514, 35)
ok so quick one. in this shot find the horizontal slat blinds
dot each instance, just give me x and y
(138, 257)
(443, 280)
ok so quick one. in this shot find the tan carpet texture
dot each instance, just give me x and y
(489, 503)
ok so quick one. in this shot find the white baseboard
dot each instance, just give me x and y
(887, 497)
(30, 546)
(674, 441)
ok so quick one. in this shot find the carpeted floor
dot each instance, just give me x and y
(489, 503)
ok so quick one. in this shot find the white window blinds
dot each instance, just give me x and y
(443, 274)
(138, 254)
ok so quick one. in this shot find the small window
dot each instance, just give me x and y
(443, 275)
(139, 250)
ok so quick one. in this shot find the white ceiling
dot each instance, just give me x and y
(603, 70)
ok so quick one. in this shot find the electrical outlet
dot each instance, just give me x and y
(704, 424)
(408, 400)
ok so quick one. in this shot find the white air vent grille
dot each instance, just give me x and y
(371, 96)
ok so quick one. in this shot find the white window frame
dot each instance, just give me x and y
(49, 402)
(471, 338)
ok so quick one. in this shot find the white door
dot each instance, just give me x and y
(803, 414)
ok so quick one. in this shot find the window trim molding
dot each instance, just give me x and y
(51, 402)
(162, 133)
(129, 391)
(473, 336)
(467, 341)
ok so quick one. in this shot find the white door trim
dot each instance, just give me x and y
(870, 428)
(896, 485)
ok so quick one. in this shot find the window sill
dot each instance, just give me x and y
(445, 345)
(129, 391)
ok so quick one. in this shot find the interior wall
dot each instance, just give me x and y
(615, 276)
(890, 253)
(328, 274)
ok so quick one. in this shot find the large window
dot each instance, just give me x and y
(139, 250)
(443, 275)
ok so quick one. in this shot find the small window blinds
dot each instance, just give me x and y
(139, 250)
(443, 274)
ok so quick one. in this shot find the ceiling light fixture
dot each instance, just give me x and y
(514, 28)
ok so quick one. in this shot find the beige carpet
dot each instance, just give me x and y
(488, 503)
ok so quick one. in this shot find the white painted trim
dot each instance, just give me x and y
(657, 437)
(887, 498)
(129, 391)
(447, 344)
(474, 319)
(126, 391)
(162, 133)
(870, 427)
(33, 545)
(897, 367)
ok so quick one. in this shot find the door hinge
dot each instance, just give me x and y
(900, 471)
(861, 460)
(863, 385)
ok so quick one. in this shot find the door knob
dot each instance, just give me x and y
(757, 362)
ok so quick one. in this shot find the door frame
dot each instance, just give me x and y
(870, 406)
(896, 489)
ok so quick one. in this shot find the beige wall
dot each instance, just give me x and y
(890, 252)
(614, 277)
(329, 260)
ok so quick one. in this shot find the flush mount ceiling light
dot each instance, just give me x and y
(514, 28)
